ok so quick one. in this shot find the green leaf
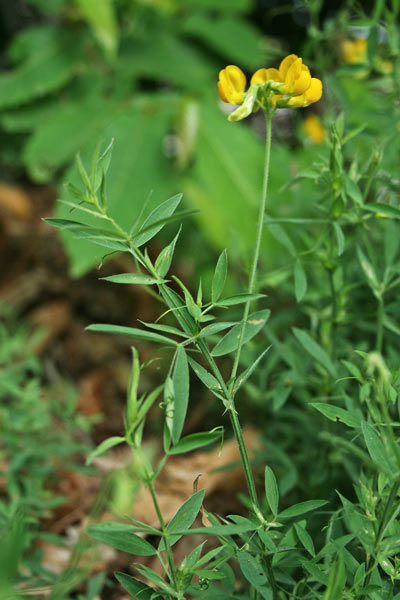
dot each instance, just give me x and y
(239, 299)
(304, 537)
(219, 278)
(219, 530)
(214, 328)
(205, 377)
(50, 63)
(340, 239)
(383, 209)
(140, 334)
(315, 350)
(376, 449)
(336, 581)
(195, 441)
(236, 39)
(152, 225)
(104, 446)
(137, 588)
(282, 237)
(230, 342)
(336, 414)
(368, 271)
(180, 379)
(301, 508)
(164, 259)
(243, 377)
(121, 537)
(271, 490)
(253, 571)
(228, 6)
(300, 281)
(184, 517)
(102, 20)
(133, 278)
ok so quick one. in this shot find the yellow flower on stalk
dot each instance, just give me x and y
(231, 84)
(354, 51)
(291, 85)
(314, 129)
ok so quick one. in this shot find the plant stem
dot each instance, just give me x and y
(379, 328)
(256, 255)
(164, 530)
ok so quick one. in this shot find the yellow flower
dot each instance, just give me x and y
(231, 84)
(291, 85)
(354, 51)
(314, 129)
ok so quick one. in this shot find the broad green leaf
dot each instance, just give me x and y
(151, 575)
(137, 588)
(137, 166)
(195, 441)
(121, 537)
(230, 342)
(376, 448)
(271, 490)
(50, 63)
(315, 350)
(336, 414)
(180, 380)
(301, 508)
(336, 581)
(104, 446)
(239, 299)
(383, 209)
(152, 225)
(140, 334)
(300, 281)
(236, 39)
(353, 190)
(219, 278)
(165, 328)
(315, 570)
(133, 278)
(78, 123)
(102, 20)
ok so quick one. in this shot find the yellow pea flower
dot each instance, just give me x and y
(231, 84)
(354, 51)
(314, 129)
(291, 85)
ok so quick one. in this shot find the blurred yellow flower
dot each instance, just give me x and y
(231, 84)
(314, 129)
(354, 51)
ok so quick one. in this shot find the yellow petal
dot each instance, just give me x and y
(314, 92)
(285, 64)
(314, 129)
(232, 83)
(298, 78)
(263, 75)
(221, 92)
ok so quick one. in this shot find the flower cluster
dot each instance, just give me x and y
(291, 85)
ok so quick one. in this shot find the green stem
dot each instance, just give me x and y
(256, 255)
(165, 532)
(379, 328)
